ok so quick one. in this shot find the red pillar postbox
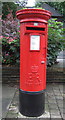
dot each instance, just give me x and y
(33, 49)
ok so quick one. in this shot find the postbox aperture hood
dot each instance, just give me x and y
(33, 14)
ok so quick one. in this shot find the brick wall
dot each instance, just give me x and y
(10, 74)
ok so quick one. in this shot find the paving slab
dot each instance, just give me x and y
(0, 100)
(45, 115)
(52, 101)
(56, 119)
(44, 119)
(55, 116)
(53, 106)
(7, 96)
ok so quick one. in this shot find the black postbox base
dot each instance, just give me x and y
(32, 104)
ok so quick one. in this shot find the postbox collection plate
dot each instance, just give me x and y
(35, 42)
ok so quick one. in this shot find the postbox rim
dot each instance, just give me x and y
(34, 9)
(34, 13)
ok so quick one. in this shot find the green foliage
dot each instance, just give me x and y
(56, 43)
(7, 7)
(10, 40)
(55, 40)
(21, 3)
(60, 6)
(10, 51)
(12, 7)
(38, 3)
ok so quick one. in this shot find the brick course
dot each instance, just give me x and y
(11, 74)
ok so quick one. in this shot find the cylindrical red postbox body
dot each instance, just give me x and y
(33, 50)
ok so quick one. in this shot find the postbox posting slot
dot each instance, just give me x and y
(35, 28)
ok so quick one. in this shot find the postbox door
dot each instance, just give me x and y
(33, 62)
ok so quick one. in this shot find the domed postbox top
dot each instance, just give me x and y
(34, 14)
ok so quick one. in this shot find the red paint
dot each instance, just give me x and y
(33, 62)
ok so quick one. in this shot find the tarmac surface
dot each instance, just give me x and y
(54, 103)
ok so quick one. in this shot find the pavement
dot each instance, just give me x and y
(54, 100)
(60, 60)
(54, 106)
(7, 95)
